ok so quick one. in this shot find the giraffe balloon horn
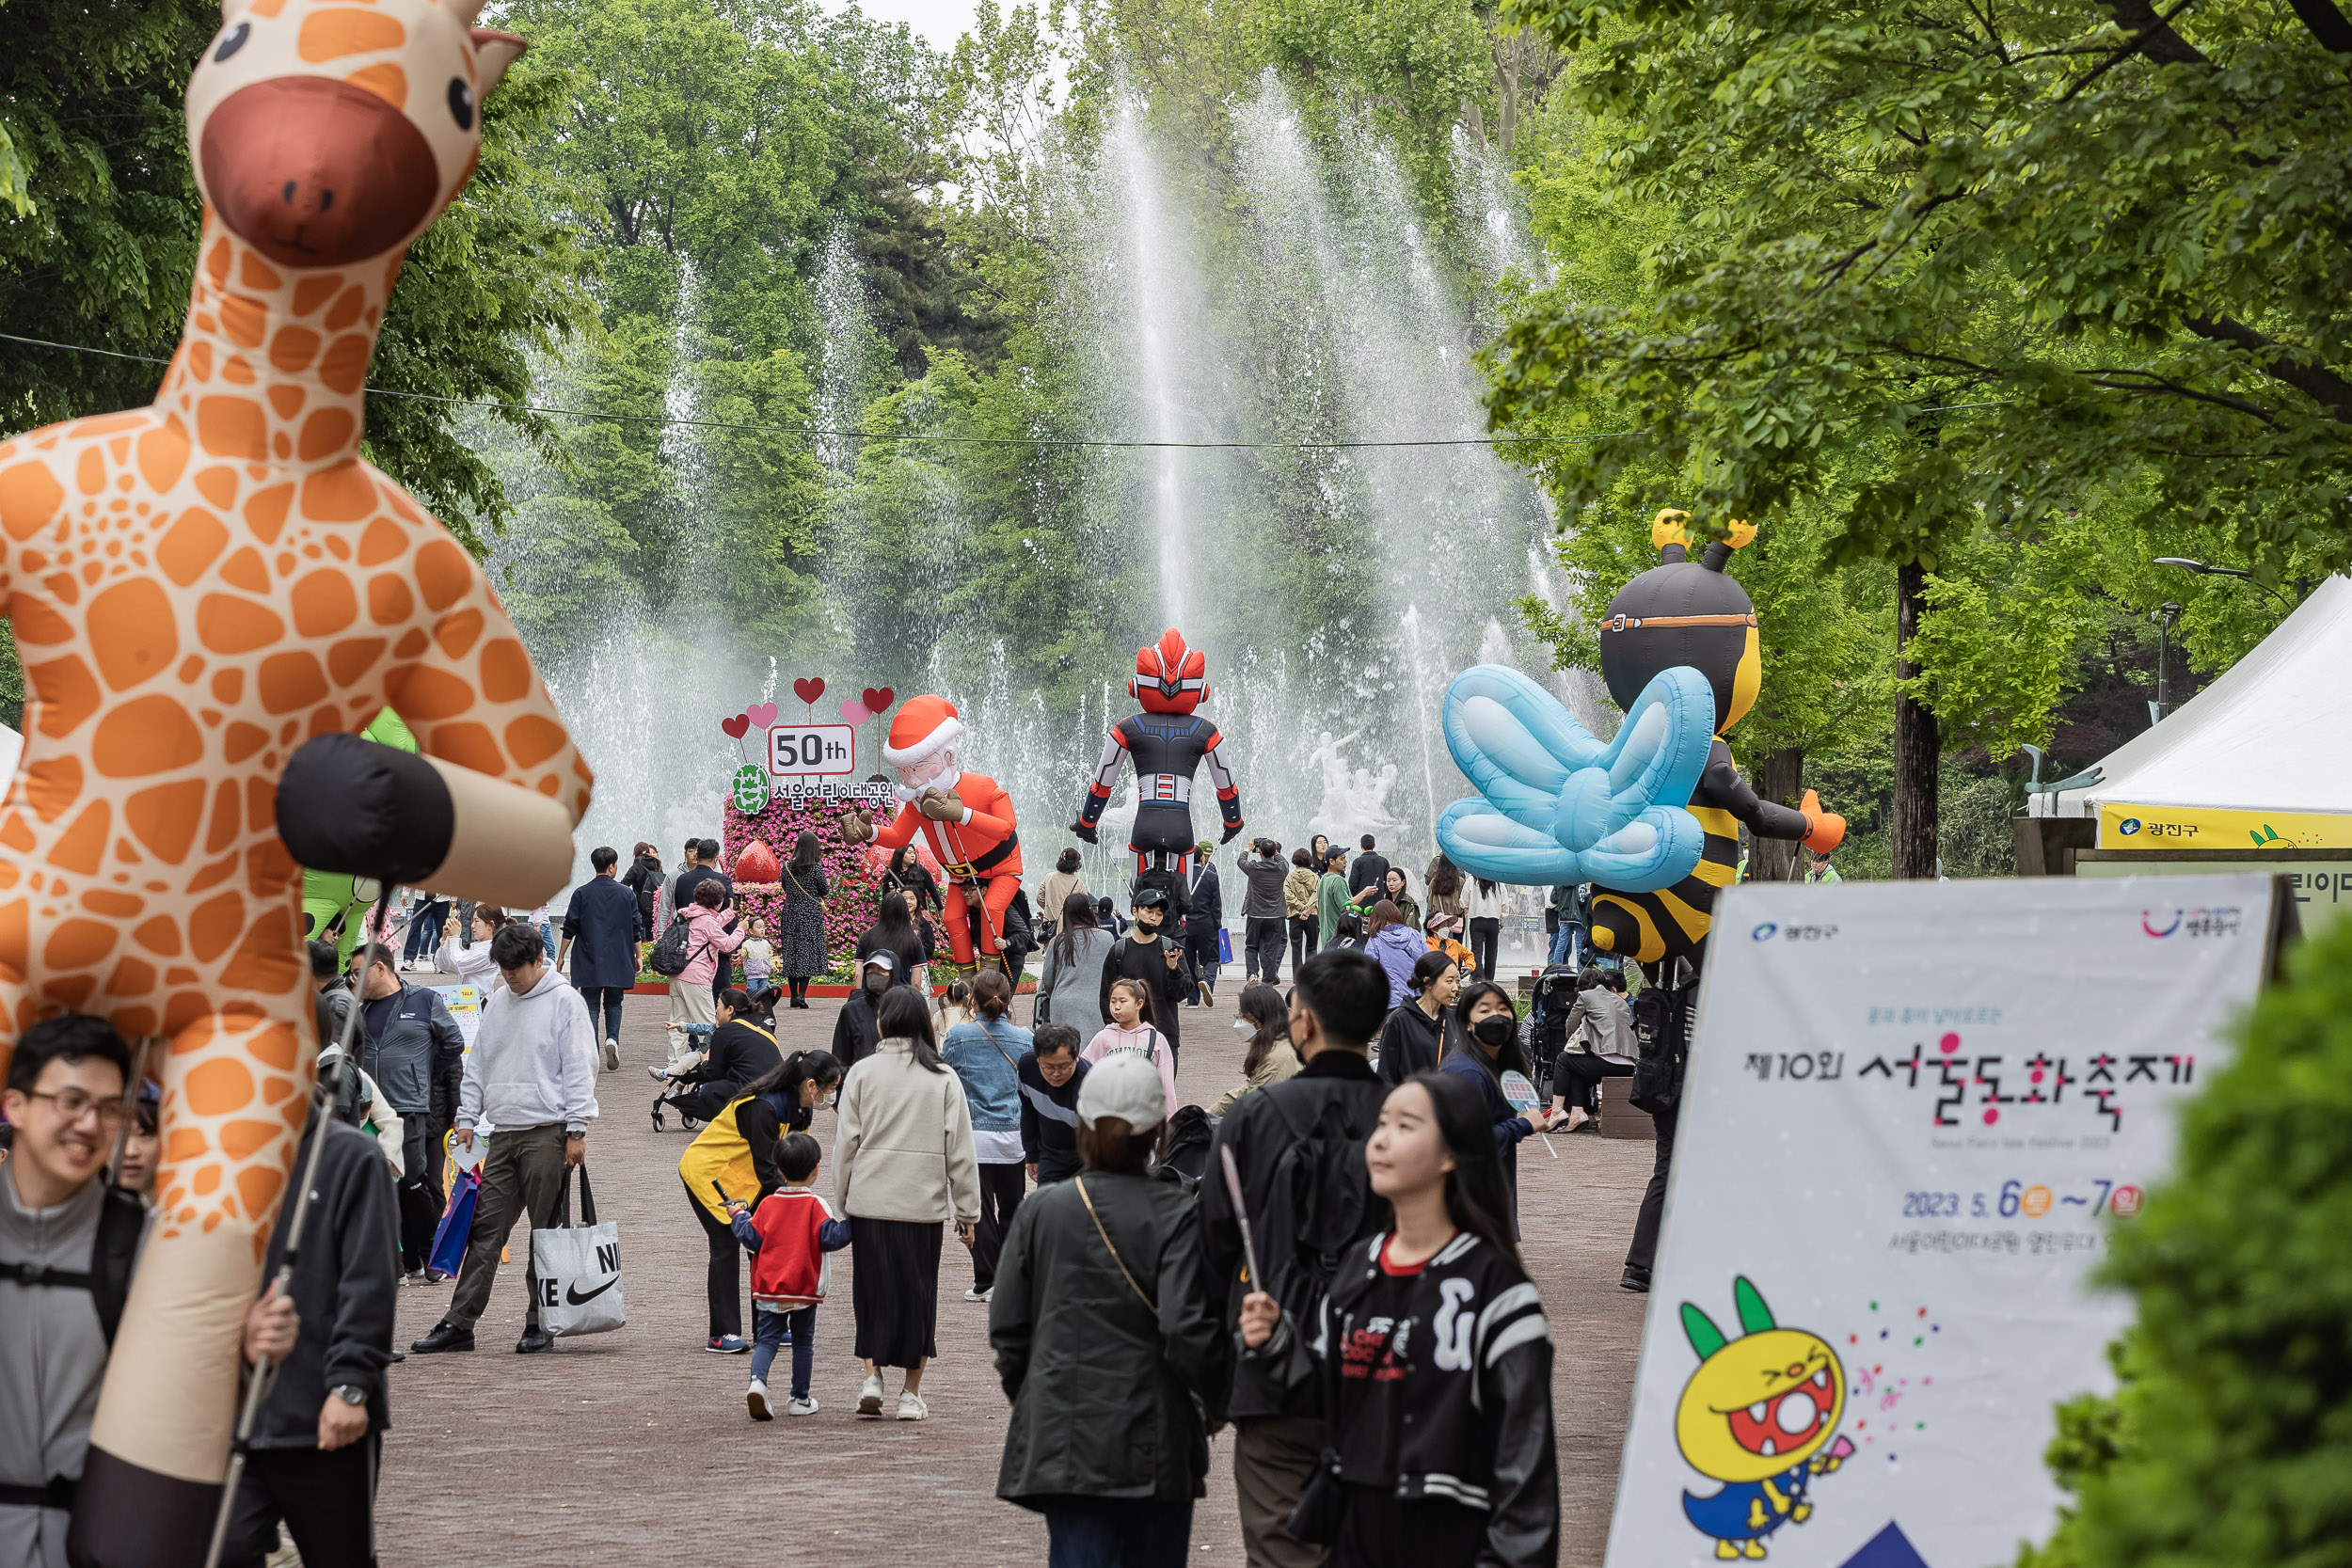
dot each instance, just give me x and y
(200, 588)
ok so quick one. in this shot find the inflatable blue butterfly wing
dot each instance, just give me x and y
(1556, 805)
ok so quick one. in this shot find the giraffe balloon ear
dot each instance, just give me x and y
(494, 51)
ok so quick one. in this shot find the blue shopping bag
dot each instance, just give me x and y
(1224, 945)
(456, 1228)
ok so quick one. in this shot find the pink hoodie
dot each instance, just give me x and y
(705, 940)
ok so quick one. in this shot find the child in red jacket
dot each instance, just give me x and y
(788, 1238)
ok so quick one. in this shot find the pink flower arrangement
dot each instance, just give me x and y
(852, 872)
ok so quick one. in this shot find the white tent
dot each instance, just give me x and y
(2272, 734)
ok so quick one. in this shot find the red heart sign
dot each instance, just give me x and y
(737, 726)
(810, 689)
(877, 701)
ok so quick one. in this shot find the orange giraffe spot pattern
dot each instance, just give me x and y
(163, 700)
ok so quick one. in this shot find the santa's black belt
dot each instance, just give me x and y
(973, 870)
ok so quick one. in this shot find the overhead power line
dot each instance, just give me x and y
(893, 435)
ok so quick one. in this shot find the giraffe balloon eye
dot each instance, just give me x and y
(233, 41)
(461, 102)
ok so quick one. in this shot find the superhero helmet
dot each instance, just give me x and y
(1170, 677)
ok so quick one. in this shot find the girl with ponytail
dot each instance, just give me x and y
(1443, 1457)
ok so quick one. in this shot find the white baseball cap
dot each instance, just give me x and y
(1125, 1084)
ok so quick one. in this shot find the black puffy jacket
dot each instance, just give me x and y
(1103, 1382)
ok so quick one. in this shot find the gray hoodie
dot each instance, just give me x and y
(534, 1062)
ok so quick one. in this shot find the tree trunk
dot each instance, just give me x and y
(1779, 776)
(1510, 93)
(1918, 744)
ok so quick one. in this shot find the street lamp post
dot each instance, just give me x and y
(2203, 569)
(2164, 618)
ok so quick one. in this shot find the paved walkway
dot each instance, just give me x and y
(630, 1447)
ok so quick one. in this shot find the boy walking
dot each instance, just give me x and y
(787, 1236)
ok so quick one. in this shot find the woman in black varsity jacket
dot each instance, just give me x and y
(1437, 1360)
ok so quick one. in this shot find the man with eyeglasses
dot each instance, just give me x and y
(67, 1242)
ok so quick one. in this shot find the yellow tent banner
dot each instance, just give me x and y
(2123, 825)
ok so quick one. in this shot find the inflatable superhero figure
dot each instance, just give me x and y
(1169, 741)
(1652, 820)
(966, 819)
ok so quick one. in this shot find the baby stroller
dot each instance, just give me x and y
(679, 1080)
(1547, 1026)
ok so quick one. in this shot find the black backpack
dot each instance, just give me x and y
(669, 954)
(1190, 1138)
(1662, 1026)
(1320, 1201)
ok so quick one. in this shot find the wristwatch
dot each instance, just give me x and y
(350, 1393)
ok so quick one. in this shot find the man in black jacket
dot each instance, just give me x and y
(315, 1448)
(1204, 919)
(1369, 870)
(1305, 1134)
(1156, 960)
(1051, 1073)
(412, 1044)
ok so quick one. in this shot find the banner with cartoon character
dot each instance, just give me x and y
(1913, 1114)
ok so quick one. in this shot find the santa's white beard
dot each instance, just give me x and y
(944, 784)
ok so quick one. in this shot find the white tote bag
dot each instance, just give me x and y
(578, 1267)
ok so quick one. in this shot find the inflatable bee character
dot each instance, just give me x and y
(1651, 818)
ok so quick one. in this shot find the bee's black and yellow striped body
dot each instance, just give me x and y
(1673, 922)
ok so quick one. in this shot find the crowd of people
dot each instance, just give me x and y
(1368, 1123)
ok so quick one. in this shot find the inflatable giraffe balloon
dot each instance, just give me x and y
(196, 588)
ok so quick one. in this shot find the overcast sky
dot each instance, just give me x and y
(938, 22)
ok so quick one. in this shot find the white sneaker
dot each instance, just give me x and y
(801, 1407)
(757, 1397)
(656, 1073)
(912, 1408)
(870, 1396)
(612, 1054)
(979, 1295)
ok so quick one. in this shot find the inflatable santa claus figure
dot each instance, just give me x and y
(968, 819)
(1169, 742)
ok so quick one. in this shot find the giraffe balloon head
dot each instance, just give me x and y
(327, 135)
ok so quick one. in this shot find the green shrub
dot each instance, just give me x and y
(2229, 1442)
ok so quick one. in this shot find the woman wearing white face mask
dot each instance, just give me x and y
(1265, 1016)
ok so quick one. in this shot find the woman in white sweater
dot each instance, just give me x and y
(904, 1150)
(473, 965)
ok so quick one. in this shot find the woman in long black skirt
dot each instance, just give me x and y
(801, 929)
(907, 1168)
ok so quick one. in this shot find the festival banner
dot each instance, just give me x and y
(2155, 828)
(1914, 1114)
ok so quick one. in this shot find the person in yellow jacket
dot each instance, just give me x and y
(733, 1160)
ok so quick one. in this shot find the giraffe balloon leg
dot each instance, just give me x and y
(196, 588)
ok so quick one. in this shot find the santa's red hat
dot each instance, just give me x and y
(926, 726)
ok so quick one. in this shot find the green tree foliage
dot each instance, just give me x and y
(104, 246)
(707, 149)
(103, 240)
(2040, 258)
(2228, 1443)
